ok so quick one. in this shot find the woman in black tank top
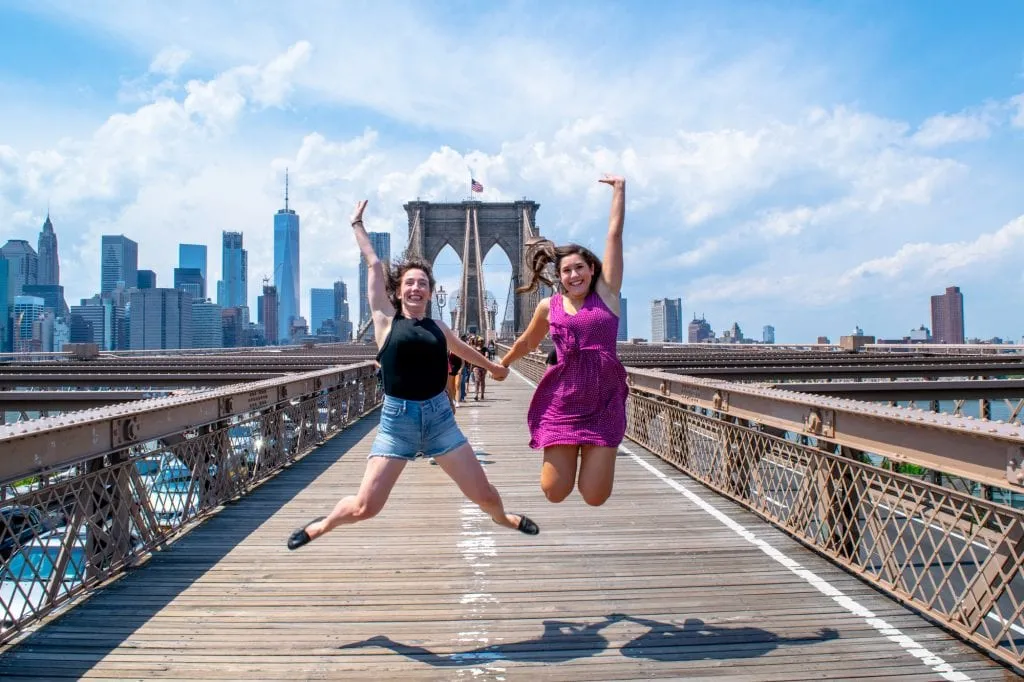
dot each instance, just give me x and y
(416, 418)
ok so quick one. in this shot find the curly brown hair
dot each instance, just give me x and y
(397, 272)
(542, 252)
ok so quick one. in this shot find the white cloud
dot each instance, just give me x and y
(169, 61)
(944, 129)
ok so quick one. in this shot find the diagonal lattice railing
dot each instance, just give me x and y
(929, 540)
(90, 493)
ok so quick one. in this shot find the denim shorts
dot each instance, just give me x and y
(416, 428)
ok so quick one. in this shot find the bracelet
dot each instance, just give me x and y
(357, 222)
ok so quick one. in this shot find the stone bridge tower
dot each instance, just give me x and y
(471, 228)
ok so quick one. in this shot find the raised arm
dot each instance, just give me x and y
(376, 283)
(534, 334)
(611, 265)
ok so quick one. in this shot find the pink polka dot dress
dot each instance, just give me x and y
(581, 400)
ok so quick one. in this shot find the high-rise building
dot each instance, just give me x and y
(623, 333)
(6, 299)
(49, 263)
(193, 256)
(207, 325)
(321, 308)
(145, 279)
(102, 321)
(233, 289)
(271, 330)
(119, 263)
(948, 316)
(27, 309)
(161, 318)
(768, 334)
(699, 331)
(667, 320)
(343, 324)
(22, 266)
(232, 327)
(191, 281)
(52, 294)
(286, 266)
(381, 242)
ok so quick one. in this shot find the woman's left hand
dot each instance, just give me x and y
(499, 372)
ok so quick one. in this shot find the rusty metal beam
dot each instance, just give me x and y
(45, 444)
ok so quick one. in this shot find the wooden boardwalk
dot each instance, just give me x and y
(651, 585)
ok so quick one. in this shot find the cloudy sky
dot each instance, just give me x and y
(813, 166)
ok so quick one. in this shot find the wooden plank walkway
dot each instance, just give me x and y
(651, 585)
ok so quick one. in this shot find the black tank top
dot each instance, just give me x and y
(414, 359)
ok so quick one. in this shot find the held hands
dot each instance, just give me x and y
(357, 214)
(616, 181)
(499, 372)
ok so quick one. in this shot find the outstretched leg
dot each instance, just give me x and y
(464, 468)
(597, 473)
(558, 473)
(378, 480)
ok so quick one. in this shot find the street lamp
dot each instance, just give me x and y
(441, 297)
(491, 304)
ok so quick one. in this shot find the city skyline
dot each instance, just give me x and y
(806, 166)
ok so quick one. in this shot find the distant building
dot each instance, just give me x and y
(160, 319)
(768, 334)
(27, 309)
(233, 289)
(270, 310)
(920, 335)
(381, 242)
(190, 280)
(146, 279)
(232, 328)
(207, 324)
(6, 298)
(699, 331)
(52, 295)
(193, 256)
(343, 323)
(119, 263)
(287, 278)
(667, 320)
(49, 261)
(321, 308)
(22, 266)
(623, 333)
(823, 340)
(948, 316)
(101, 321)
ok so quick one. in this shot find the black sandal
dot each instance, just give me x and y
(526, 525)
(300, 537)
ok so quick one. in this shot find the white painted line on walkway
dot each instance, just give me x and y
(912, 647)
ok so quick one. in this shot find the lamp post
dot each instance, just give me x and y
(441, 297)
(492, 313)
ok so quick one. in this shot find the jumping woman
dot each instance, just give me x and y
(578, 412)
(416, 417)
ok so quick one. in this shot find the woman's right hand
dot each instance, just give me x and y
(357, 214)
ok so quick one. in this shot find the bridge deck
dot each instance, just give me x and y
(654, 584)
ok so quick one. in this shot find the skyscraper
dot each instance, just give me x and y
(193, 256)
(381, 242)
(6, 299)
(321, 308)
(161, 318)
(146, 279)
(341, 312)
(667, 320)
(623, 334)
(49, 263)
(190, 280)
(286, 266)
(234, 290)
(207, 325)
(699, 331)
(768, 334)
(22, 264)
(119, 263)
(27, 309)
(948, 316)
(271, 329)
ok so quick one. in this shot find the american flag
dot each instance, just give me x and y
(475, 186)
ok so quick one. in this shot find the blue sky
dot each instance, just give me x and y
(809, 165)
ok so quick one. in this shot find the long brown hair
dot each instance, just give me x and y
(397, 272)
(542, 252)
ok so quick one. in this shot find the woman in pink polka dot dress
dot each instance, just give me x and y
(578, 413)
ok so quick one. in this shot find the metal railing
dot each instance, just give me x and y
(827, 471)
(88, 494)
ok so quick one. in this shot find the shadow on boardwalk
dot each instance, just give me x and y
(565, 641)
